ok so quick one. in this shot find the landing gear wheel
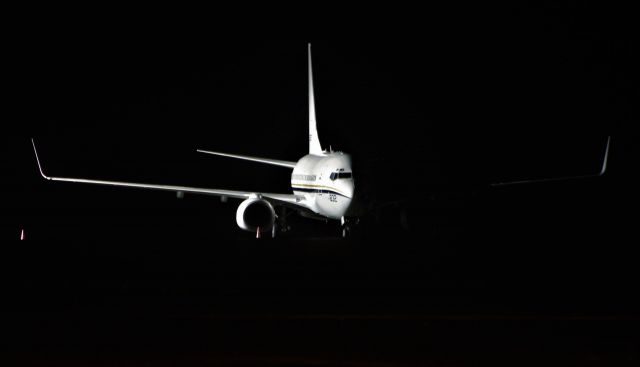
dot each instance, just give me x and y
(346, 231)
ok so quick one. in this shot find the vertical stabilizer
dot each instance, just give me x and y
(314, 141)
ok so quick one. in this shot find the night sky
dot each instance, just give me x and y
(462, 104)
(433, 110)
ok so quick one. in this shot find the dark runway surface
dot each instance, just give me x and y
(391, 302)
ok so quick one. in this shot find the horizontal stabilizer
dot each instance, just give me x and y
(274, 162)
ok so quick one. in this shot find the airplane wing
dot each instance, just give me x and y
(286, 199)
(603, 169)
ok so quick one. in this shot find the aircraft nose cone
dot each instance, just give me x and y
(349, 189)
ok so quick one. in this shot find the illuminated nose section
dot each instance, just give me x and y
(348, 187)
(343, 182)
(341, 175)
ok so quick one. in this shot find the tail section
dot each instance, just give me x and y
(314, 141)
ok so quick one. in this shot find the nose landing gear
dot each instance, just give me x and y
(347, 225)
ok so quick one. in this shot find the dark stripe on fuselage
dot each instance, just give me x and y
(318, 191)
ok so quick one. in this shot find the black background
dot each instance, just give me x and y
(434, 104)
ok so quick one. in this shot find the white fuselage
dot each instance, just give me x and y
(327, 183)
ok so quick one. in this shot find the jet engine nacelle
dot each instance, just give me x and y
(255, 212)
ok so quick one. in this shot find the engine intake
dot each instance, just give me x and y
(255, 212)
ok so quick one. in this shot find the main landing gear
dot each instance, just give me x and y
(259, 232)
(281, 225)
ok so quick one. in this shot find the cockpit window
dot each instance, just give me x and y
(336, 175)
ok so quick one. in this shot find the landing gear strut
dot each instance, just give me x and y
(347, 225)
(281, 224)
(273, 232)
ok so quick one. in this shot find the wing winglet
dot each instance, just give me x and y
(603, 169)
(38, 160)
(606, 157)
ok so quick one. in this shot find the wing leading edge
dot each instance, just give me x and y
(284, 198)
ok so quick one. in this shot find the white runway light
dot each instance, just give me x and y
(22, 234)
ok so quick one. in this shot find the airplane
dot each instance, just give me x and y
(322, 182)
